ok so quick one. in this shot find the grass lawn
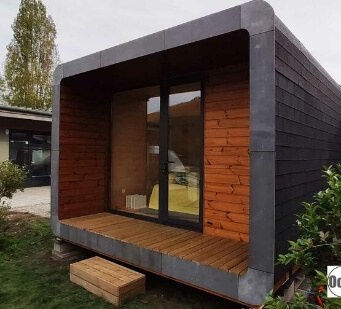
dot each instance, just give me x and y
(31, 278)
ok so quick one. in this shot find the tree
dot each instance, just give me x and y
(31, 58)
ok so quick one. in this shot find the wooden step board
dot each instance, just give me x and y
(106, 279)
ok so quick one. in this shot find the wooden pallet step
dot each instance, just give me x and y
(106, 279)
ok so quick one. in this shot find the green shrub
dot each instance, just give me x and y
(4, 207)
(299, 302)
(319, 242)
(320, 228)
(12, 177)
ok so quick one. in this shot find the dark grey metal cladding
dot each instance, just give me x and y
(82, 65)
(257, 17)
(76, 235)
(203, 28)
(138, 255)
(260, 25)
(254, 286)
(81, 237)
(106, 245)
(91, 241)
(262, 92)
(292, 38)
(57, 75)
(64, 231)
(144, 46)
(121, 250)
(55, 117)
(54, 181)
(55, 225)
(201, 275)
(262, 214)
(308, 130)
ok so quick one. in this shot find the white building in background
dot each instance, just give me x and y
(25, 138)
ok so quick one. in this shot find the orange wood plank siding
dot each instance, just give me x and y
(83, 157)
(226, 153)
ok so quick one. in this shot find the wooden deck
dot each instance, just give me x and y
(225, 254)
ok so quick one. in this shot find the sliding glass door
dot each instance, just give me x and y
(157, 153)
(33, 151)
(182, 156)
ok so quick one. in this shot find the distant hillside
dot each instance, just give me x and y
(190, 108)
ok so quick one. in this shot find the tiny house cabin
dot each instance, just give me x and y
(187, 152)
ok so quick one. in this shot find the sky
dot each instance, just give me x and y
(87, 26)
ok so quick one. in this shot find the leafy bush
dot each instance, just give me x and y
(320, 228)
(4, 207)
(299, 302)
(11, 179)
(319, 241)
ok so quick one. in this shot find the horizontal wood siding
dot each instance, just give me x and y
(226, 153)
(308, 130)
(83, 165)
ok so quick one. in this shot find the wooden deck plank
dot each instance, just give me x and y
(239, 268)
(214, 251)
(222, 254)
(182, 247)
(122, 232)
(140, 233)
(162, 237)
(234, 261)
(244, 271)
(116, 226)
(174, 240)
(85, 219)
(228, 257)
(207, 249)
(152, 232)
(114, 219)
(107, 230)
(158, 238)
(91, 223)
(103, 223)
(198, 246)
(225, 247)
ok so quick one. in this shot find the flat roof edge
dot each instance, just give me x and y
(293, 39)
(256, 17)
(15, 110)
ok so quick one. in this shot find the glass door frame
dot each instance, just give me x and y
(164, 217)
(32, 180)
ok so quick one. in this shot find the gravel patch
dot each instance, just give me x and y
(36, 200)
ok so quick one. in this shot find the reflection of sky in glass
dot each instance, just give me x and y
(178, 98)
(153, 104)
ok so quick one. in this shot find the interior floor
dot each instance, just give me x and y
(225, 254)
